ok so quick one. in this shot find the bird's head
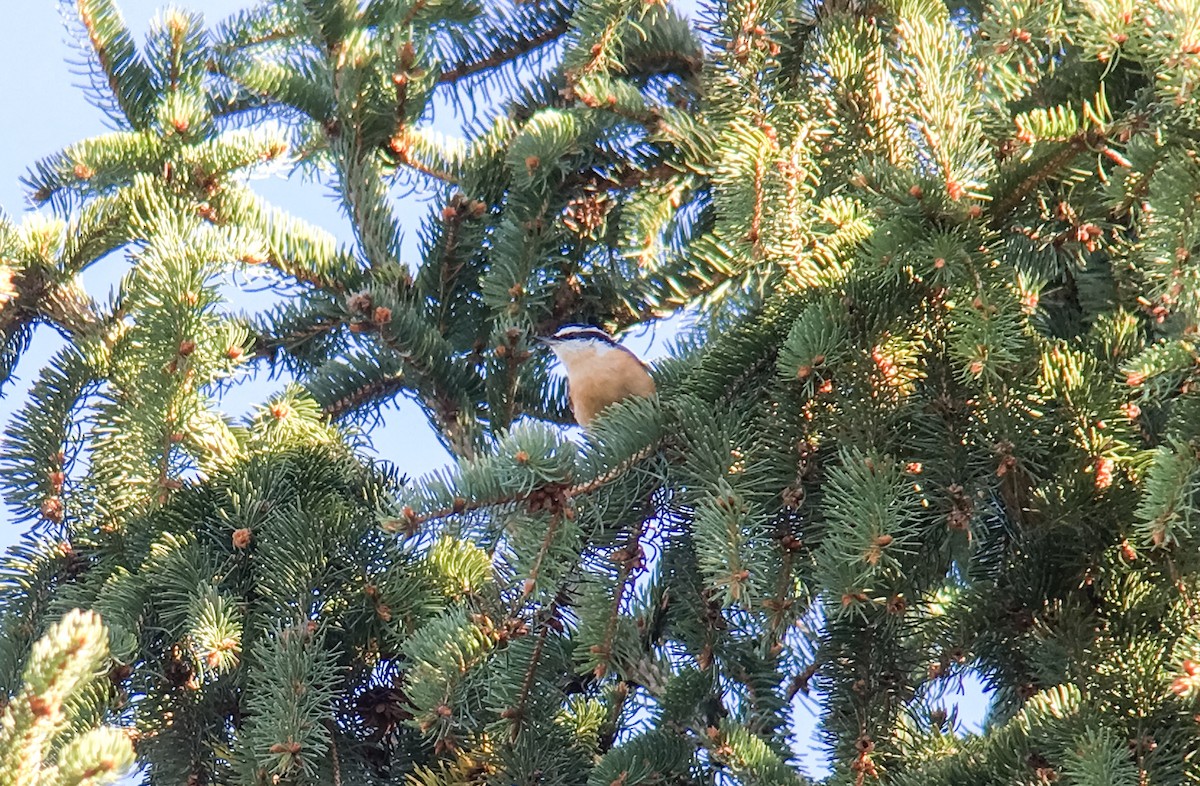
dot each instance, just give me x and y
(572, 340)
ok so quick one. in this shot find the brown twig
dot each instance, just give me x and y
(412, 520)
(608, 477)
(755, 235)
(333, 750)
(412, 12)
(630, 559)
(441, 402)
(402, 148)
(1072, 148)
(501, 56)
(33, 294)
(530, 674)
(385, 386)
(595, 62)
(551, 531)
(102, 55)
(265, 347)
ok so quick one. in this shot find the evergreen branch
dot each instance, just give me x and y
(36, 459)
(343, 387)
(401, 144)
(756, 217)
(69, 307)
(13, 345)
(130, 80)
(500, 56)
(527, 681)
(936, 147)
(629, 558)
(35, 285)
(376, 390)
(62, 665)
(263, 24)
(613, 474)
(292, 246)
(1048, 169)
(101, 227)
(333, 751)
(94, 166)
(364, 192)
(30, 573)
(296, 82)
(267, 346)
(771, 179)
(446, 387)
(779, 606)
(556, 520)
(599, 29)
(443, 258)
(411, 521)
(1142, 184)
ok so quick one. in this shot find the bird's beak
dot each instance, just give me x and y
(545, 341)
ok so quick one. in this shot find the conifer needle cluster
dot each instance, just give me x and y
(937, 414)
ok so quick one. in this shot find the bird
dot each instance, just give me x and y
(600, 372)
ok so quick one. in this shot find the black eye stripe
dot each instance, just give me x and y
(585, 333)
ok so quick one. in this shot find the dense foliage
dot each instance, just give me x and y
(938, 412)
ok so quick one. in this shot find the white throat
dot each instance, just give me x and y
(572, 353)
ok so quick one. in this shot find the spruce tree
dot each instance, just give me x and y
(937, 412)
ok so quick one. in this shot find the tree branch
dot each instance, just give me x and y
(500, 56)
(410, 520)
(1048, 169)
(65, 305)
(386, 386)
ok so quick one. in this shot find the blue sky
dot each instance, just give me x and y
(36, 75)
(47, 111)
(35, 60)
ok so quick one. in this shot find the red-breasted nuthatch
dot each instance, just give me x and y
(599, 370)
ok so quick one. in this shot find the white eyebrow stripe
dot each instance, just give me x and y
(589, 332)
